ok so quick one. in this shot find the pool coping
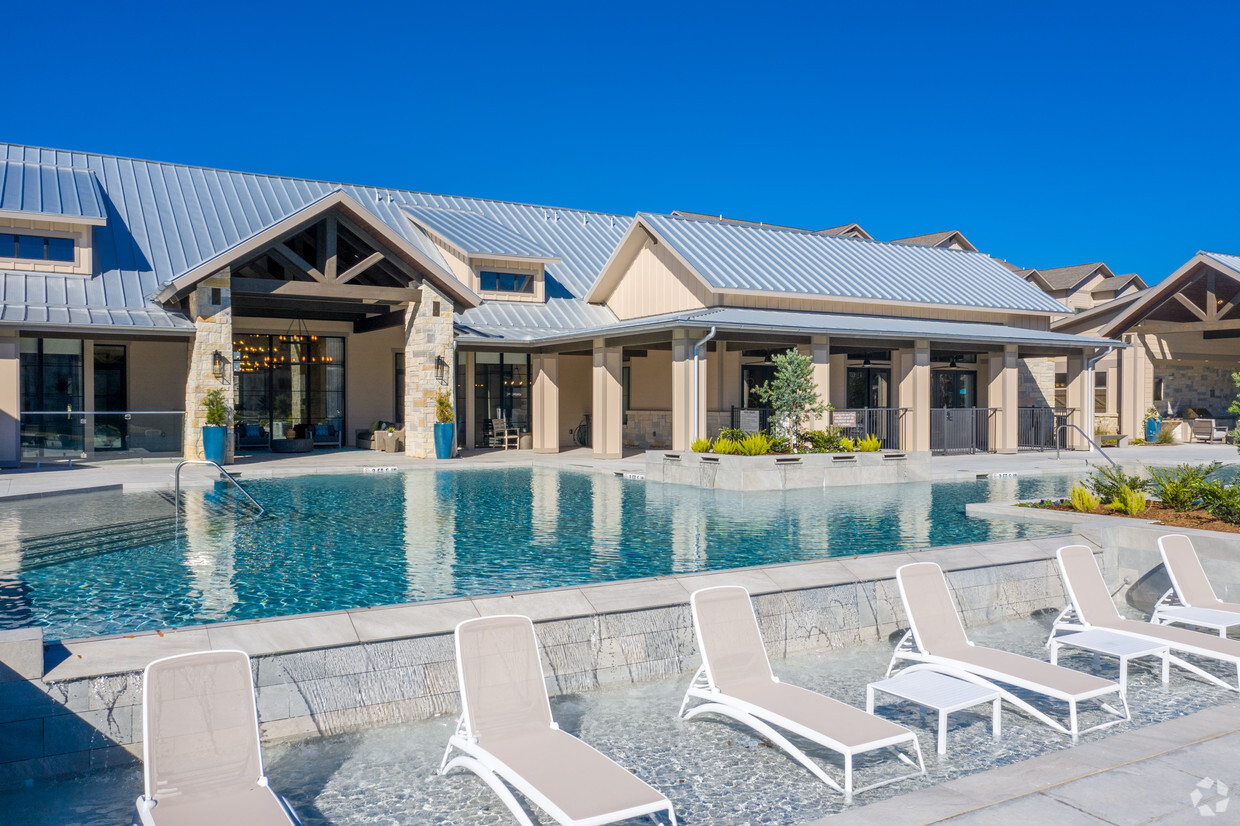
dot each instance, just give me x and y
(73, 659)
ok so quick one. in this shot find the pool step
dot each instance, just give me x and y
(58, 549)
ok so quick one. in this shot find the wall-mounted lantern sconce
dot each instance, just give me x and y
(441, 370)
(220, 366)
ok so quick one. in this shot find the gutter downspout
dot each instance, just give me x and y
(1089, 389)
(456, 435)
(696, 382)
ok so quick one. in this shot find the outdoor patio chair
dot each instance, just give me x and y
(736, 681)
(1191, 599)
(936, 641)
(1091, 606)
(504, 436)
(200, 754)
(507, 736)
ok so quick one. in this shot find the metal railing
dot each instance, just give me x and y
(177, 484)
(74, 435)
(887, 423)
(1084, 436)
(956, 430)
(1036, 427)
(743, 418)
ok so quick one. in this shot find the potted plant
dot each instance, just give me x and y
(445, 427)
(215, 432)
(1153, 424)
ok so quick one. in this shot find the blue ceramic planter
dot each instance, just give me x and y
(213, 443)
(1152, 427)
(443, 440)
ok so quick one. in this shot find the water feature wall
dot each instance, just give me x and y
(786, 472)
(328, 673)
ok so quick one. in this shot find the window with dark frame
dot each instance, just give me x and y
(506, 282)
(36, 247)
(1100, 392)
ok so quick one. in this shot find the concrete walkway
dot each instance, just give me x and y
(1148, 775)
(28, 482)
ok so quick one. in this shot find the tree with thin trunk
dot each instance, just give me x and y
(793, 395)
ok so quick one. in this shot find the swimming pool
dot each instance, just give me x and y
(112, 563)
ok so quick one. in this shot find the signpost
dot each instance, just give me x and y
(750, 420)
(844, 418)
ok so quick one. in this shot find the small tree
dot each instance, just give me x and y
(217, 409)
(792, 394)
(444, 414)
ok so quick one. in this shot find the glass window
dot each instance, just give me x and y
(60, 249)
(1158, 390)
(506, 282)
(286, 381)
(1061, 389)
(1100, 392)
(31, 246)
(35, 247)
(754, 376)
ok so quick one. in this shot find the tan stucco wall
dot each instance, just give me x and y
(576, 388)
(656, 282)
(370, 379)
(650, 381)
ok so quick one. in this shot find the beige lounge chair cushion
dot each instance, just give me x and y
(576, 778)
(257, 806)
(1192, 585)
(850, 727)
(731, 643)
(502, 680)
(1005, 666)
(1093, 602)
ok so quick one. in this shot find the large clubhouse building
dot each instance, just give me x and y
(325, 311)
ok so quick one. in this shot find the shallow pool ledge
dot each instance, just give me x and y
(326, 673)
(786, 472)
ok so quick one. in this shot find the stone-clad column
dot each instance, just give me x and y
(210, 306)
(428, 336)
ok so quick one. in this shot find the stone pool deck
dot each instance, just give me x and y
(1143, 776)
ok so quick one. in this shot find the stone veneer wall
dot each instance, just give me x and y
(1037, 382)
(213, 331)
(428, 335)
(74, 726)
(1195, 384)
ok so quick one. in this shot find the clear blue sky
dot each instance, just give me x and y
(1049, 133)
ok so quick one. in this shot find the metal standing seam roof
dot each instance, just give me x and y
(1230, 261)
(742, 257)
(49, 192)
(476, 234)
(875, 328)
(166, 219)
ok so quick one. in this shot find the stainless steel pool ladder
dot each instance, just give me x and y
(226, 474)
(1097, 446)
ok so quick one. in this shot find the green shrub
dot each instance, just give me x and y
(216, 408)
(1180, 488)
(868, 444)
(1165, 437)
(726, 447)
(779, 444)
(1083, 499)
(1129, 501)
(824, 441)
(755, 444)
(734, 434)
(846, 445)
(700, 446)
(444, 413)
(1106, 482)
(1222, 501)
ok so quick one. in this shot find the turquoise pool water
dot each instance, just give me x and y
(107, 564)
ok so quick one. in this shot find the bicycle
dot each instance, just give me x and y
(581, 434)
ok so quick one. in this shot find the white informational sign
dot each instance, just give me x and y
(750, 420)
(844, 418)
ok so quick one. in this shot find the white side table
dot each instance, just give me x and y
(1124, 648)
(1213, 618)
(940, 692)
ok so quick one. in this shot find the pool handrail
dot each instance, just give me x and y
(226, 474)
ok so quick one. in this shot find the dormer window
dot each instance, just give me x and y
(506, 282)
(36, 247)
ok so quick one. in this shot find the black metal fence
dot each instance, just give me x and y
(955, 430)
(887, 423)
(1036, 426)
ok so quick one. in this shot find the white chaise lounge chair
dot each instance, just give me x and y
(936, 641)
(201, 755)
(506, 735)
(1191, 599)
(1091, 606)
(735, 680)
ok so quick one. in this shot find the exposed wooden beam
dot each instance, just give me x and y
(312, 289)
(1229, 306)
(375, 244)
(285, 252)
(360, 267)
(1211, 299)
(379, 322)
(1197, 311)
(329, 247)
